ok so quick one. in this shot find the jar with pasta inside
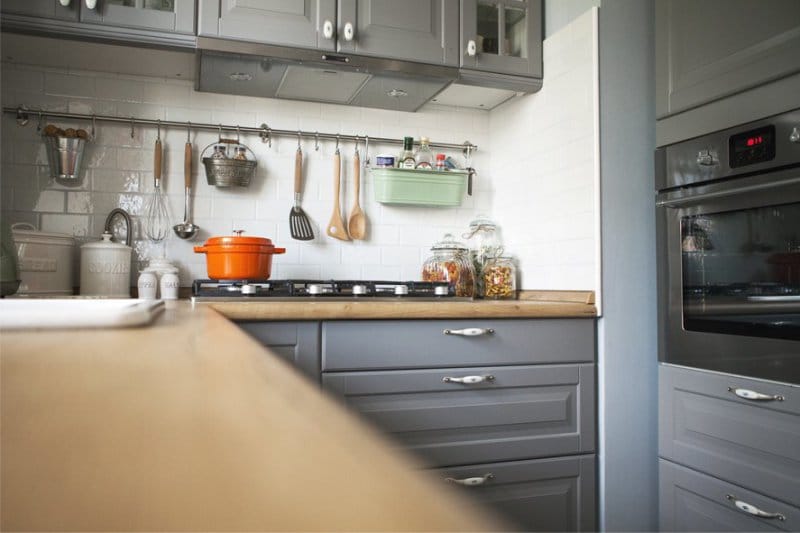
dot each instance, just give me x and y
(450, 262)
(484, 242)
(500, 278)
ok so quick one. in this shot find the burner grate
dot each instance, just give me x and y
(305, 288)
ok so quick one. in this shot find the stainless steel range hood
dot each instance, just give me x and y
(252, 69)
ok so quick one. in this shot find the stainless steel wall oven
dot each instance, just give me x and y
(728, 241)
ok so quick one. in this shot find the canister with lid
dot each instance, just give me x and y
(500, 278)
(106, 268)
(450, 262)
(484, 243)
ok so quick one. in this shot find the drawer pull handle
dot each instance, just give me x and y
(752, 395)
(469, 380)
(753, 510)
(469, 332)
(471, 481)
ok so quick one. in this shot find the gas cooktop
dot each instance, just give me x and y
(206, 290)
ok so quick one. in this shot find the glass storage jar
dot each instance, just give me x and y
(500, 278)
(484, 242)
(450, 262)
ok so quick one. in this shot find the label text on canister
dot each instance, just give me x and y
(109, 268)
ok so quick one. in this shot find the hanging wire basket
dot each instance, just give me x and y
(227, 171)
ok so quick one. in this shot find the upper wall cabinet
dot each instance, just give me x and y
(162, 22)
(425, 31)
(715, 48)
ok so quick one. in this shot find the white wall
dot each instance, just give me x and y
(543, 166)
(119, 171)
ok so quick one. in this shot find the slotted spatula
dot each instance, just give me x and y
(299, 225)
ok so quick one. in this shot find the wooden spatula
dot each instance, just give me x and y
(336, 227)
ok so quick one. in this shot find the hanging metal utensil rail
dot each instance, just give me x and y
(265, 132)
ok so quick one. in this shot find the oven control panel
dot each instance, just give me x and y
(751, 147)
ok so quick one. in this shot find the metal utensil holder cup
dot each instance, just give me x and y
(65, 158)
(229, 172)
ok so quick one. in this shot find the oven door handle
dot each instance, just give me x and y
(677, 202)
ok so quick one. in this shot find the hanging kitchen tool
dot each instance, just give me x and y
(156, 225)
(336, 227)
(357, 223)
(299, 225)
(186, 230)
(230, 164)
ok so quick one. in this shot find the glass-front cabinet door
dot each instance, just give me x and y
(160, 15)
(503, 36)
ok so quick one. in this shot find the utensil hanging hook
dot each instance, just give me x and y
(188, 132)
(219, 133)
(158, 130)
(94, 123)
(237, 134)
(316, 141)
(366, 151)
(337, 142)
(299, 136)
(41, 121)
(356, 152)
(22, 116)
(265, 135)
(132, 122)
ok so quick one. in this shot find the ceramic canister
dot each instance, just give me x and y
(106, 268)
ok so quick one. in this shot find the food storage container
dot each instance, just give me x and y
(401, 186)
(450, 262)
(484, 242)
(499, 278)
(106, 268)
(239, 258)
(45, 260)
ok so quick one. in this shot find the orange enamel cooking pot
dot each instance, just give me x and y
(238, 258)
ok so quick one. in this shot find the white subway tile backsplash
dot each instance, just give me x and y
(77, 225)
(57, 84)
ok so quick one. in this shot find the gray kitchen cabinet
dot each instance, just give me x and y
(295, 342)
(707, 423)
(51, 9)
(501, 43)
(554, 494)
(514, 398)
(712, 49)
(168, 23)
(515, 412)
(691, 501)
(424, 31)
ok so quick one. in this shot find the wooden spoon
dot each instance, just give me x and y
(357, 224)
(336, 227)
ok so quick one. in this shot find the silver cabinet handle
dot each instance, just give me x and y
(753, 510)
(91, 4)
(469, 380)
(472, 48)
(754, 396)
(471, 481)
(327, 29)
(469, 332)
(64, 3)
(349, 32)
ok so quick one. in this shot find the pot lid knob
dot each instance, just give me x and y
(238, 232)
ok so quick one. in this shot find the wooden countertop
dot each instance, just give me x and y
(532, 304)
(190, 425)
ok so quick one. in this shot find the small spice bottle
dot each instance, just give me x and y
(241, 154)
(500, 278)
(220, 152)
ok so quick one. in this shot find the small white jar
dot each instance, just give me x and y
(169, 285)
(148, 285)
(106, 269)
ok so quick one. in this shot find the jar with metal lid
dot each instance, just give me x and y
(450, 262)
(484, 243)
(500, 278)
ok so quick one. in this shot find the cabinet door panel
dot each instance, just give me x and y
(42, 8)
(174, 16)
(715, 48)
(538, 495)
(691, 501)
(279, 22)
(418, 30)
(706, 426)
(518, 413)
(296, 342)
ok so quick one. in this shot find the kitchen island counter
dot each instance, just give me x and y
(188, 424)
(532, 304)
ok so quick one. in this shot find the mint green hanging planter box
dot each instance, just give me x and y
(402, 186)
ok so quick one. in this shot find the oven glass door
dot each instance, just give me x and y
(729, 279)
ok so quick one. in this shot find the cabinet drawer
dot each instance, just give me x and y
(706, 426)
(540, 495)
(691, 501)
(521, 413)
(354, 345)
(296, 342)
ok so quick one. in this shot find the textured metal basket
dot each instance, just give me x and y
(65, 157)
(229, 172)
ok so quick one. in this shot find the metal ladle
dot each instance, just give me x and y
(186, 230)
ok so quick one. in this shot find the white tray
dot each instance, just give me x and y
(42, 313)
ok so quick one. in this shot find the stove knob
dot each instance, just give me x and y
(315, 289)
(359, 290)
(401, 290)
(248, 289)
(441, 290)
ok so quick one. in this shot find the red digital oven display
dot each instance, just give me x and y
(751, 147)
